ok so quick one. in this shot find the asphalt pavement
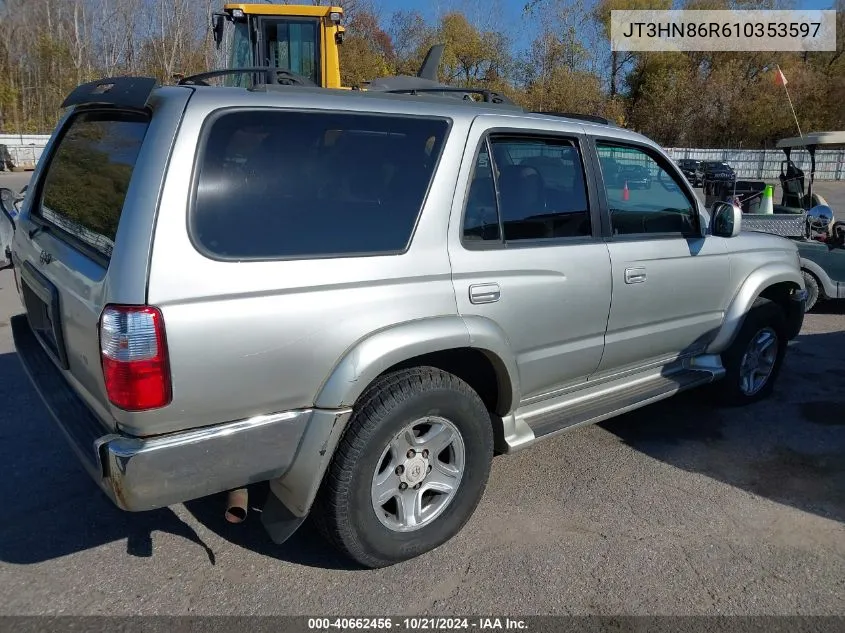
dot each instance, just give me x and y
(678, 508)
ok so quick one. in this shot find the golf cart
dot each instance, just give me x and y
(806, 217)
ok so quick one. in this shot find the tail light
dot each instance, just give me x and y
(134, 356)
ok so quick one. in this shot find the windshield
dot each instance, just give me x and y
(292, 45)
(240, 55)
(287, 43)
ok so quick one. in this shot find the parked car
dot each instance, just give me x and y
(382, 292)
(714, 171)
(689, 167)
(611, 171)
(637, 176)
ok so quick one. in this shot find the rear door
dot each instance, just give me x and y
(526, 250)
(84, 234)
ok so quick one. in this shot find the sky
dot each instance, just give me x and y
(508, 13)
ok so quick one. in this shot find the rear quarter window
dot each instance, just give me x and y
(280, 184)
(88, 175)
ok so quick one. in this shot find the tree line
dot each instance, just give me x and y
(698, 99)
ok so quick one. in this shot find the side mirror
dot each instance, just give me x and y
(820, 218)
(7, 227)
(217, 28)
(727, 219)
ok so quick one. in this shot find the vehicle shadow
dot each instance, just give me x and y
(789, 448)
(306, 546)
(830, 306)
(53, 509)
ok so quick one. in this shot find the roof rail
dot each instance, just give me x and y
(592, 118)
(271, 75)
(490, 96)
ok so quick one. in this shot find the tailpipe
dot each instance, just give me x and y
(236, 504)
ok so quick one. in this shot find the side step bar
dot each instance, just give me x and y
(587, 408)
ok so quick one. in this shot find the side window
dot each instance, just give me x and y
(541, 189)
(481, 219)
(642, 196)
(279, 184)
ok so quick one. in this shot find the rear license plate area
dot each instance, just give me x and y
(41, 302)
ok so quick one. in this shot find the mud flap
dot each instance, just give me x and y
(279, 522)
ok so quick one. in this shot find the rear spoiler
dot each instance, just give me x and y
(124, 92)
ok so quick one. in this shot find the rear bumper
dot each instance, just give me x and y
(153, 472)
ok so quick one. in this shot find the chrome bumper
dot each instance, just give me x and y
(143, 474)
(154, 472)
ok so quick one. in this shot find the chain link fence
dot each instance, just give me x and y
(24, 149)
(764, 164)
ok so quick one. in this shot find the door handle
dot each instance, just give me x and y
(635, 275)
(484, 293)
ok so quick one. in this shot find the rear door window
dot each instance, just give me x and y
(88, 176)
(283, 184)
(542, 191)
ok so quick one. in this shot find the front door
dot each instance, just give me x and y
(671, 284)
(527, 254)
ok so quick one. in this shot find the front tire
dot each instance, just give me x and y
(754, 359)
(410, 469)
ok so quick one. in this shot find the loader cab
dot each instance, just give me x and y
(301, 39)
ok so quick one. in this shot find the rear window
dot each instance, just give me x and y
(88, 175)
(282, 184)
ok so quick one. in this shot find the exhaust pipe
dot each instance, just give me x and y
(236, 505)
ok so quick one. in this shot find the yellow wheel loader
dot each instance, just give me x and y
(299, 45)
(300, 39)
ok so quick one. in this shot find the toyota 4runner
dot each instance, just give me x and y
(360, 296)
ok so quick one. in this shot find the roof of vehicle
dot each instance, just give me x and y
(813, 138)
(436, 104)
(138, 92)
(282, 9)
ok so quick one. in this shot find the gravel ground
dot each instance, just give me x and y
(678, 508)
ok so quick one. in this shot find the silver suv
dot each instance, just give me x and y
(360, 296)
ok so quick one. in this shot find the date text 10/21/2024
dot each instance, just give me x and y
(416, 624)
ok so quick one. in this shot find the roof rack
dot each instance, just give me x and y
(272, 75)
(490, 96)
(592, 118)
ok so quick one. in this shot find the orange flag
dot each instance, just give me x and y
(780, 78)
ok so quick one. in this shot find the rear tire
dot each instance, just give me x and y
(366, 468)
(814, 291)
(754, 359)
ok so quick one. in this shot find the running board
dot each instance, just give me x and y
(587, 408)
